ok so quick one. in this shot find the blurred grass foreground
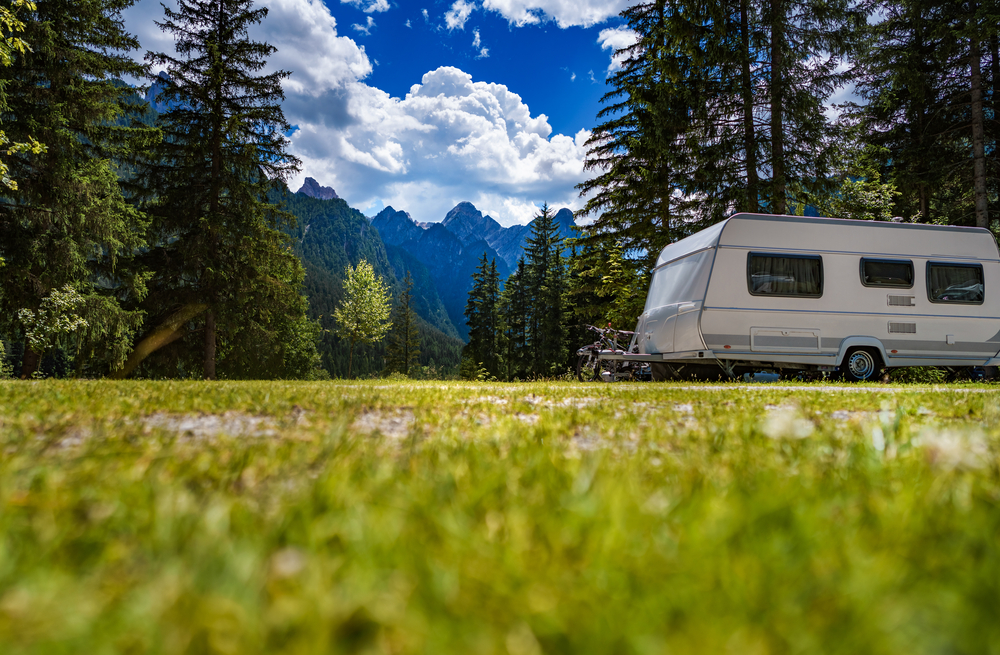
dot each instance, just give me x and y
(399, 517)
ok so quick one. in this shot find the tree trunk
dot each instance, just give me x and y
(777, 131)
(30, 362)
(350, 360)
(978, 137)
(210, 345)
(746, 90)
(165, 333)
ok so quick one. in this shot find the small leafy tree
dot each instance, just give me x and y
(364, 313)
(404, 341)
(56, 316)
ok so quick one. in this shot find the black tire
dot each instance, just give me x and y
(861, 365)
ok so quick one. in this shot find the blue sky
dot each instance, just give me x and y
(421, 105)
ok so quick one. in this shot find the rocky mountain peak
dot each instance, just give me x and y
(313, 189)
(396, 227)
(469, 225)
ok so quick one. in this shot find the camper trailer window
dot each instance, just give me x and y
(785, 275)
(957, 283)
(887, 273)
(683, 280)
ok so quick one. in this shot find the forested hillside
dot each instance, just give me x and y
(328, 236)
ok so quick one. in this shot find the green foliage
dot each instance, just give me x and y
(482, 313)
(683, 145)
(363, 315)
(474, 371)
(914, 75)
(862, 200)
(624, 287)
(217, 238)
(460, 518)
(10, 45)
(55, 317)
(329, 235)
(403, 352)
(67, 222)
(918, 374)
(545, 291)
(514, 311)
(5, 369)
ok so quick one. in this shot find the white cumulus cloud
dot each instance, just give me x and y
(456, 17)
(615, 39)
(449, 139)
(566, 13)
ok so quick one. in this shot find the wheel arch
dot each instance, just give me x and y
(861, 342)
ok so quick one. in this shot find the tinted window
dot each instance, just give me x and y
(958, 283)
(887, 273)
(785, 275)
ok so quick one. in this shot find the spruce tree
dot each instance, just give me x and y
(640, 152)
(403, 348)
(513, 322)
(545, 286)
(718, 108)
(481, 313)
(216, 236)
(928, 76)
(67, 223)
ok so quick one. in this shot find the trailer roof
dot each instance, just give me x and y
(821, 235)
(707, 238)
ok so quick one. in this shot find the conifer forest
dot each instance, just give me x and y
(163, 242)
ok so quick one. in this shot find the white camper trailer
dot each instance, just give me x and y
(819, 294)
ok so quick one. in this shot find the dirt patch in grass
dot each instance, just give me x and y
(392, 424)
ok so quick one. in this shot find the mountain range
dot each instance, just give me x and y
(440, 257)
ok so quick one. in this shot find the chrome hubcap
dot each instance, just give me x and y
(861, 365)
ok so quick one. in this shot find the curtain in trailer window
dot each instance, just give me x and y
(681, 281)
(786, 276)
(958, 284)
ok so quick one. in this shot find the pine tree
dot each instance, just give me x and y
(718, 108)
(67, 222)
(545, 287)
(513, 322)
(929, 77)
(403, 349)
(481, 313)
(641, 152)
(217, 237)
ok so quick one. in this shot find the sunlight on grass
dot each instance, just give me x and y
(430, 517)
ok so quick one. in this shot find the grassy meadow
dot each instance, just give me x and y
(433, 517)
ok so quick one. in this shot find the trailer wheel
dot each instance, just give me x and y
(861, 364)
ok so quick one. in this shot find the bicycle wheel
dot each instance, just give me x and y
(585, 365)
(608, 367)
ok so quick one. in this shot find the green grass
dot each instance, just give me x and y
(377, 517)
